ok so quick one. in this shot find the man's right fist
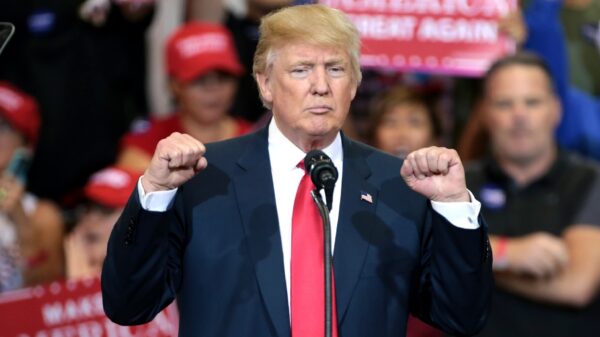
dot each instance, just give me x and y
(176, 160)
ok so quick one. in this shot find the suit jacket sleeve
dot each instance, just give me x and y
(455, 283)
(142, 270)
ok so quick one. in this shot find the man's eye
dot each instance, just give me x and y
(299, 71)
(533, 102)
(336, 70)
(502, 105)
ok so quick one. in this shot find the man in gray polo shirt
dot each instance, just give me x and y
(543, 210)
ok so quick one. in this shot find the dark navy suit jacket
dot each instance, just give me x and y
(218, 251)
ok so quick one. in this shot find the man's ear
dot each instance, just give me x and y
(264, 87)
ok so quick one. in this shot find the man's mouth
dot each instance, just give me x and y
(319, 109)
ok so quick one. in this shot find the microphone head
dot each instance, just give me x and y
(321, 169)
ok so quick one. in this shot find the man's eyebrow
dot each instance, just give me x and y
(303, 63)
(335, 61)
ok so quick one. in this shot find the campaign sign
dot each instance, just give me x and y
(72, 309)
(458, 37)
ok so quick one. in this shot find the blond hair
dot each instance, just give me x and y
(314, 24)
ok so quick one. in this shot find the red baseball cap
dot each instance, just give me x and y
(198, 47)
(20, 111)
(111, 186)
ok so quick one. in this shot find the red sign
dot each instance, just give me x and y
(72, 309)
(440, 36)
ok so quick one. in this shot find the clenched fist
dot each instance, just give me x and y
(176, 160)
(437, 173)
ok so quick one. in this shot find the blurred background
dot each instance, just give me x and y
(88, 87)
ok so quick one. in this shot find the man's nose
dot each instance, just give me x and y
(520, 110)
(320, 82)
(520, 114)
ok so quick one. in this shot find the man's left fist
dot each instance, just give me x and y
(437, 173)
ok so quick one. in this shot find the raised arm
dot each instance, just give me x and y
(455, 283)
(143, 266)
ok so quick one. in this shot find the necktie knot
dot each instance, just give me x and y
(301, 165)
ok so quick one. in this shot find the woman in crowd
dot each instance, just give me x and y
(402, 121)
(204, 71)
(31, 229)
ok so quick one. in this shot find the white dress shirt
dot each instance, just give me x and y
(284, 157)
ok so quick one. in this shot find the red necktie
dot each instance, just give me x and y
(307, 281)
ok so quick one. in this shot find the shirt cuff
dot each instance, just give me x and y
(460, 214)
(158, 201)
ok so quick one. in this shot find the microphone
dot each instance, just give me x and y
(322, 173)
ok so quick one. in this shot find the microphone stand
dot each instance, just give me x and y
(323, 210)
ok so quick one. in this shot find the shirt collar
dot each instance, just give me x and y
(288, 155)
(550, 177)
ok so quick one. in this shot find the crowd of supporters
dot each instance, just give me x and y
(89, 87)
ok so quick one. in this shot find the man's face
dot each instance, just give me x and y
(310, 88)
(521, 113)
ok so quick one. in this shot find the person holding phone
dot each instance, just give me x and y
(31, 229)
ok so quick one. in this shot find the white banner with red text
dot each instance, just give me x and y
(72, 309)
(458, 37)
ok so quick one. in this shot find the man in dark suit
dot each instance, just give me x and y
(216, 226)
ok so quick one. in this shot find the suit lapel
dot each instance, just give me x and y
(256, 200)
(350, 244)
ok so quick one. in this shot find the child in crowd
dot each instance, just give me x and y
(106, 193)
